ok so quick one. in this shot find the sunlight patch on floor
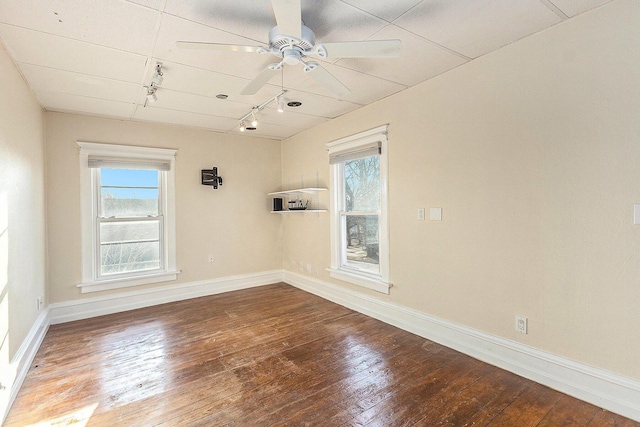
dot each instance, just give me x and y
(79, 418)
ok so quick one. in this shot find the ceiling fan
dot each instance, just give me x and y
(293, 42)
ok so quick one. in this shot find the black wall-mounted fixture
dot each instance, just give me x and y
(210, 177)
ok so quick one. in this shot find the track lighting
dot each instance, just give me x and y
(253, 114)
(156, 81)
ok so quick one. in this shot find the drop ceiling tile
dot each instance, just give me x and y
(116, 24)
(33, 47)
(575, 7)
(364, 88)
(153, 4)
(387, 10)
(253, 19)
(65, 82)
(478, 27)
(182, 101)
(419, 61)
(240, 64)
(335, 21)
(152, 113)
(55, 101)
(317, 105)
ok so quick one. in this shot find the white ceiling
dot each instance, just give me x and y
(94, 57)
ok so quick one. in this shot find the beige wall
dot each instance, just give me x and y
(232, 222)
(22, 212)
(533, 152)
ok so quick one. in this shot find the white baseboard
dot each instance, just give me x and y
(98, 306)
(602, 388)
(19, 365)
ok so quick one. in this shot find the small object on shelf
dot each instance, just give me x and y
(297, 205)
(277, 203)
(210, 177)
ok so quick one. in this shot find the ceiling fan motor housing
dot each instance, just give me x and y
(281, 42)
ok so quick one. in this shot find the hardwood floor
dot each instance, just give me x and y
(272, 356)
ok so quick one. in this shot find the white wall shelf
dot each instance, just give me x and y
(310, 190)
(295, 193)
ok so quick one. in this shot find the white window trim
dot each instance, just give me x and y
(378, 282)
(88, 211)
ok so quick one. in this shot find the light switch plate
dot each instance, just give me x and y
(435, 214)
(421, 214)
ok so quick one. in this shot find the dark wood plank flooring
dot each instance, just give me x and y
(273, 356)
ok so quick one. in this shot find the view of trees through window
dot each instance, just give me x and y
(362, 204)
(130, 224)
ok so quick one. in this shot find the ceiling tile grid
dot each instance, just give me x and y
(98, 57)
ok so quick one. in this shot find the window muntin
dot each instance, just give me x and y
(129, 222)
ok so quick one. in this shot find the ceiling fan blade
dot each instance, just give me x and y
(326, 79)
(288, 17)
(217, 46)
(260, 80)
(364, 49)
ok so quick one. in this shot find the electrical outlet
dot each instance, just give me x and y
(40, 302)
(521, 324)
(210, 257)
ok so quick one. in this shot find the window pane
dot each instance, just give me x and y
(362, 184)
(129, 246)
(128, 192)
(362, 242)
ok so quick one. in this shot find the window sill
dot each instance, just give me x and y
(104, 285)
(375, 284)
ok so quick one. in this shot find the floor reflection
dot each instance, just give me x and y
(136, 363)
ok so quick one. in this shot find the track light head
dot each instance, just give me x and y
(280, 104)
(157, 79)
(158, 76)
(254, 119)
(151, 93)
(242, 127)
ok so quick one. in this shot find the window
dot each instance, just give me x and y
(129, 221)
(359, 224)
(128, 216)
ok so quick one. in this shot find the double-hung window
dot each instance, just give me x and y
(359, 220)
(128, 215)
